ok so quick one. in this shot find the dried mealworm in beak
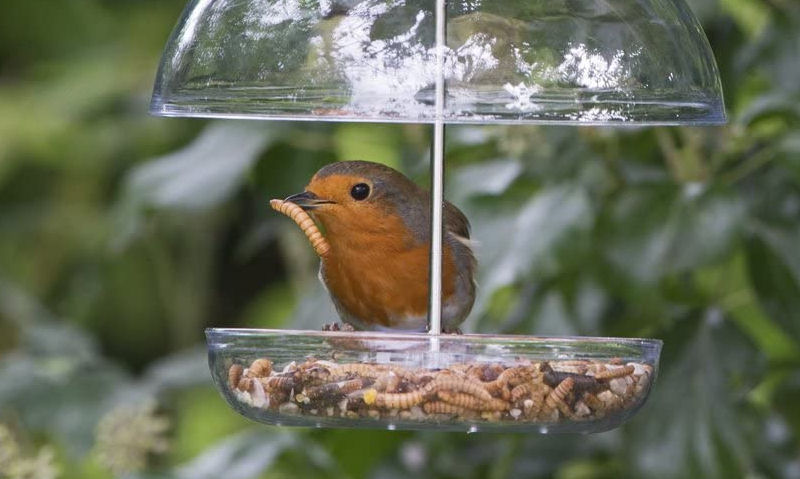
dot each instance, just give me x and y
(299, 216)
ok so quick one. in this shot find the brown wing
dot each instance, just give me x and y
(458, 306)
(455, 221)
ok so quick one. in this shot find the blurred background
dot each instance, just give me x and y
(123, 236)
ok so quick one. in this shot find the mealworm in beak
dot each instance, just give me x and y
(299, 216)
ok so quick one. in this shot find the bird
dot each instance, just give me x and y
(377, 224)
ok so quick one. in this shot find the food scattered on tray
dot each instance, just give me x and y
(524, 391)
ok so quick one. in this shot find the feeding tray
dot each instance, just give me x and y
(465, 382)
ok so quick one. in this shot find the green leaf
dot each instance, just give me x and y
(203, 174)
(486, 178)
(250, 454)
(774, 266)
(242, 456)
(751, 15)
(729, 286)
(691, 426)
(652, 232)
(517, 243)
(369, 142)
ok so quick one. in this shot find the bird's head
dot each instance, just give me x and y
(365, 198)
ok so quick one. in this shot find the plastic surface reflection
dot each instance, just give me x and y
(577, 61)
(409, 381)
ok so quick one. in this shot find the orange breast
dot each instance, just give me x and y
(378, 278)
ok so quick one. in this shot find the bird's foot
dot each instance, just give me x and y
(338, 327)
(452, 331)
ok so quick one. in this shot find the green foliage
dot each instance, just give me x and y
(122, 236)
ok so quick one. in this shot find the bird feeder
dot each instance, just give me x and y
(575, 62)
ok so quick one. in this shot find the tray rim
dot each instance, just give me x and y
(218, 333)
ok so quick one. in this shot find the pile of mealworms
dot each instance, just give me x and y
(541, 392)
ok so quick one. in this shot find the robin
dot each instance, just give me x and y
(377, 223)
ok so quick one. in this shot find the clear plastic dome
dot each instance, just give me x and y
(510, 61)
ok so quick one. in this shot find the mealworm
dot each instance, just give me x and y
(245, 384)
(334, 391)
(393, 400)
(399, 400)
(534, 404)
(510, 377)
(234, 375)
(440, 407)
(593, 402)
(388, 382)
(463, 368)
(460, 384)
(326, 391)
(260, 368)
(615, 373)
(563, 390)
(461, 400)
(486, 372)
(496, 404)
(582, 382)
(468, 401)
(410, 375)
(521, 391)
(317, 374)
(310, 229)
(558, 397)
(281, 383)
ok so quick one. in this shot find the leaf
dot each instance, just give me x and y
(789, 154)
(56, 360)
(750, 15)
(691, 427)
(243, 456)
(729, 285)
(203, 174)
(29, 384)
(484, 178)
(176, 371)
(200, 176)
(370, 142)
(774, 267)
(778, 104)
(775, 52)
(514, 243)
(653, 232)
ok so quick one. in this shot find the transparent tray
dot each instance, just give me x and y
(416, 381)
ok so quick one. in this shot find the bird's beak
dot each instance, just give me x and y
(307, 200)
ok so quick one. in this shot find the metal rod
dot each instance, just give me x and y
(437, 180)
(437, 202)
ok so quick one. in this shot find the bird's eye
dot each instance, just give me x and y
(360, 191)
